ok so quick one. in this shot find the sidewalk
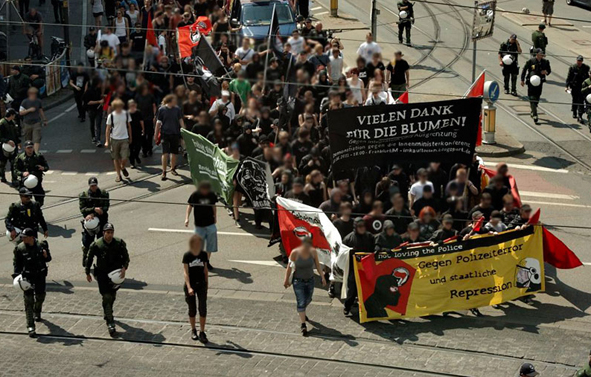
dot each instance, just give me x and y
(448, 345)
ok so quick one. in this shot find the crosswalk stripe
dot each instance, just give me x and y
(547, 195)
(64, 151)
(69, 173)
(88, 151)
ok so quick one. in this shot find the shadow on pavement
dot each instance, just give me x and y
(56, 231)
(232, 346)
(233, 273)
(136, 285)
(137, 333)
(555, 287)
(58, 331)
(65, 287)
(321, 330)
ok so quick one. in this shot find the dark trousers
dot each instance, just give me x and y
(87, 240)
(3, 161)
(148, 137)
(34, 299)
(57, 11)
(401, 27)
(109, 293)
(23, 7)
(80, 104)
(96, 120)
(510, 73)
(134, 149)
(578, 104)
(261, 215)
(534, 93)
(351, 290)
(199, 296)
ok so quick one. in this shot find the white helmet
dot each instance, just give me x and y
(8, 100)
(525, 10)
(115, 277)
(588, 98)
(90, 53)
(92, 226)
(21, 283)
(7, 149)
(16, 239)
(507, 60)
(535, 80)
(31, 181)
(403, 14)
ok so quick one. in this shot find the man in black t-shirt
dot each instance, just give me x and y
(168, 127)
(195, 263)
(79, 82)
(397, 75)
(202, 203)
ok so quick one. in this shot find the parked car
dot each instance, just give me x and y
(585, 3)
(255, 18)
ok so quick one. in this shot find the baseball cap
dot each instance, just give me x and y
(413, 226)
(542, 26)
(24, 191)
(298, 181)
(16, 67)
(388, 224)
(399, 53)
(528, 369)
(92, 181)
(476, 215)
(28, 232)
(580, 58)
(28, 144)
(358, 221)
(538, 51)
(108, 226)
(447, 218)
(526, 208)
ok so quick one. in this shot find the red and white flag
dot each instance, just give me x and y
(297, 220)
(477, 90)
(190, 35)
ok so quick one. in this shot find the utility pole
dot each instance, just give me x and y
(334, 8)
(66, 21)
(373, 19)
(474, 49)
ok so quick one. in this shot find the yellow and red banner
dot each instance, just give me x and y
(459, 275)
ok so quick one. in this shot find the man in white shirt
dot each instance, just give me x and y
(111, 38)
(416, 190)
(368, 48)
(244, 54)
(296, 42)
(118, 137)
(224, 101)
(335, 65)
(379, 96)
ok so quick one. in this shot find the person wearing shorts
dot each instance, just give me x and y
(195, 272)
(168, 129)
(202, 202)
(548, 11)
(118, 137)
(31, 112)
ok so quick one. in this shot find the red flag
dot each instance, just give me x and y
(150, 35)
(515, 191)
(107, 101)
(533, 220)
(478, 224)
(556, 253)
(368, 263)
(477, 90)
(190, 35)
(403, 98)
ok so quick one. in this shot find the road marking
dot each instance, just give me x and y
(219, 233)
(43, 151)
(320, 14)
(270, 263)
(56, 118)
(69, 173)
(535, 168)
(548, 195)
(107, 151)
(64, 151)
(92, 173)
(70, 108)
(316, 8)
(586, 263)
(50, 172)
(88, 151)
(111, 173)
(559, 204)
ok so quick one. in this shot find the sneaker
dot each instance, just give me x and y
(125, 172)
(203, 337)
(194, 334)
(173, 172)
(32, 333)
(514, 93)
(304, 329)
(111, 328)
(38, 317)
(237, 223)
(118, 179)
(346, 312)
(94, 140)
(476, 312)
(536, 120)
(138, 161)
(209, 266)
(98, 144)
(506, 91)
(574, 116)
(331, 292)
(163, 177)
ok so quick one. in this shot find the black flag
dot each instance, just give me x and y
(208, 67)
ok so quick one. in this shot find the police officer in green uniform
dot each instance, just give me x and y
(31, 162)
(510, 71)
(577, 74)
(537, 66)
(25, 214)
(9, 134)
(585, 91)
(586, 371)
(30, 261)
(93, 203)
(405, 23)
(111, 254)
(539, 39)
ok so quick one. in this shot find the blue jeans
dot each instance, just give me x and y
(209, 235)
(304, 289)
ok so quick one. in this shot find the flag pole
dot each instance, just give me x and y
(268, 47)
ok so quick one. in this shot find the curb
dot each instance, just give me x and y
(58, 102)
(500, 150)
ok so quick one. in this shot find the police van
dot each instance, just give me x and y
(255, 18)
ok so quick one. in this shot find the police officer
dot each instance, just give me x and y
(25, 214)
(405, 23)
(585, 91)
(93, 203)
(540, 67)
(30, 261)
(31, 162)
(539, 39)
(111, 254)
(577, 74)
(9, 134)
(510, 71)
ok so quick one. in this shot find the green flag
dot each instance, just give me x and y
(208, 162)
